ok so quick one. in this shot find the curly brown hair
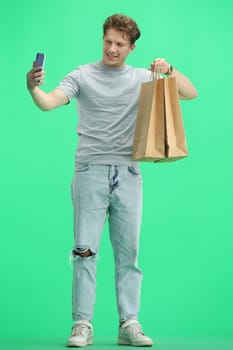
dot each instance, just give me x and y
(124, 24)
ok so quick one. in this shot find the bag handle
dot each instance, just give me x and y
(155, 74)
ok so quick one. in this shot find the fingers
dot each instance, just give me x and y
(160, 65)
(35, 77)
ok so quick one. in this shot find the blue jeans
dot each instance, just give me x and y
(101, 192)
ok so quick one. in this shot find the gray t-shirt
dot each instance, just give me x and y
(107, 101)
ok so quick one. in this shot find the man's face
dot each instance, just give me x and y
(116, 48)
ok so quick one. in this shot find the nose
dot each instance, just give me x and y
(112, 47)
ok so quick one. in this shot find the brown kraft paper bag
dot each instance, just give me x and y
(159, 133)
(175, 139)
(149, 136)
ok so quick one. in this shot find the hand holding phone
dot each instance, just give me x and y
(39, 62)
(35, 76)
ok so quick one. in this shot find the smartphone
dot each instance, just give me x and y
(40, 59)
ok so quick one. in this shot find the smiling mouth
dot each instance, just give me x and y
(111, 56)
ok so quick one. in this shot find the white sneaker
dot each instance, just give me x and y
(81, 335)
(130, 333)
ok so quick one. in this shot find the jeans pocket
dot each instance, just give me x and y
(81, 167)
(133, 170)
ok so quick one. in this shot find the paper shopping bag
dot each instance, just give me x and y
(175, 140)
(159, 133)
(149, 136)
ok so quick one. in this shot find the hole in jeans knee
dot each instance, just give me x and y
(83, 252)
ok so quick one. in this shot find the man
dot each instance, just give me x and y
(106, 183)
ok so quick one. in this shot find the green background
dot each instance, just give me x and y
(186, 242)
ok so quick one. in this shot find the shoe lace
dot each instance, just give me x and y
(135, 329)
(79, 329)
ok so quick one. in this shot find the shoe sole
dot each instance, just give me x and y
(124, 342)
(73, 344)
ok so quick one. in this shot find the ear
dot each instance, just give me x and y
(131, 48)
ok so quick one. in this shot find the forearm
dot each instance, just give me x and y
(41, 98)
(185, 87)
(45, 101)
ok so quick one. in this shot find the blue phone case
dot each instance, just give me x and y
(40, 59)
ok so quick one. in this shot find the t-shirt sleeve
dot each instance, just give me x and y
(70, 84)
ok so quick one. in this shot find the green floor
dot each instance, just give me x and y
(108, 344)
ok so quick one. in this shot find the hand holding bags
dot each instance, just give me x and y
(159, 133)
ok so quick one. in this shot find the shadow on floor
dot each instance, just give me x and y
(110, 344)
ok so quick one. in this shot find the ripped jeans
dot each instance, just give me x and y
(101, 192)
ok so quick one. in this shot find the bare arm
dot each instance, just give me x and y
(185, 88)
(45, 101)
